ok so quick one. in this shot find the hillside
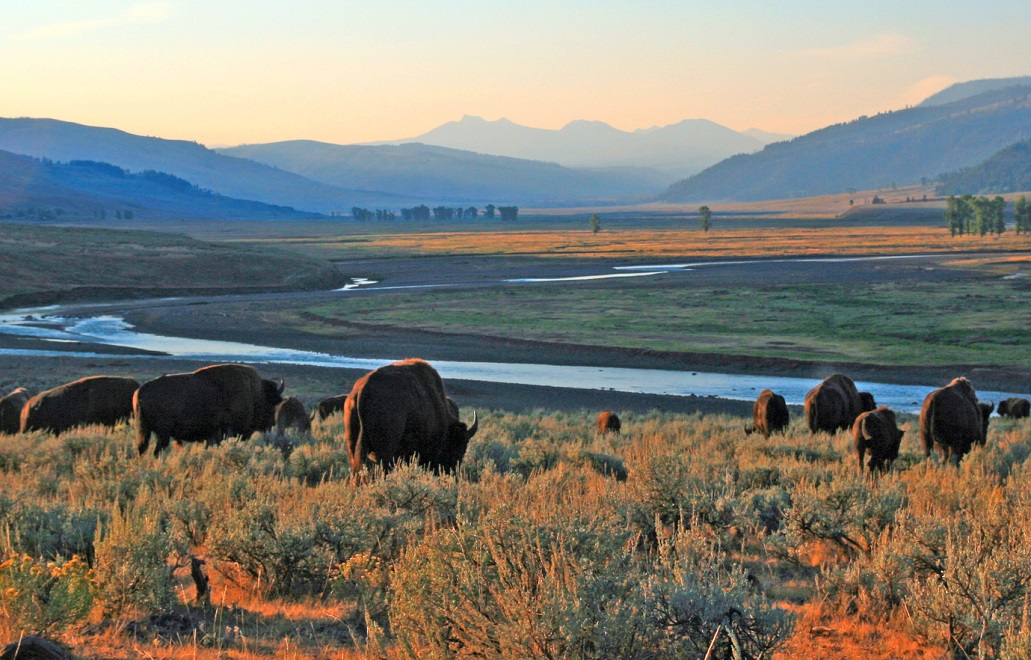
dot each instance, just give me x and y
(899, 147)
(1007, 171)
(965, 90)
(41, 265)
(32, 188)
(233, 177)
(438, 173)
(677, 150)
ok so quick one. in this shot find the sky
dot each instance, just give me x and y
(226, 72)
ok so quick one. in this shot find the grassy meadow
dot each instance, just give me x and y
(552, 541)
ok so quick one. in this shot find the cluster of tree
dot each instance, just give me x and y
(365, 215)
(424, 213)
(975, 215)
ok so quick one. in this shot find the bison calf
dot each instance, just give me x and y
(291, 415)
(769, 414)
(876, 430)
(608, 422)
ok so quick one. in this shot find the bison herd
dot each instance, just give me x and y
(401, 412)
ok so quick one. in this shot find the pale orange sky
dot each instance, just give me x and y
(244, 72)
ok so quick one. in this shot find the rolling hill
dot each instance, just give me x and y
(1007, 171)
(452, 175)
(899, 147)
(30, 187)
(677, 150)
(232, 177)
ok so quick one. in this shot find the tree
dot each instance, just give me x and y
(705, 216)
(1022, 215)
(952, 216)
(488, 211)
(595, 223)
(508, 213)
(998, 207)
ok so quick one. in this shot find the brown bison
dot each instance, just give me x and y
(986, 412)
(608, 422)
(952, 421)
(832, 405)
(10, 410)
(94, 400)
(876, 430)
(401, 411)
(206, 405)
(1014, 407)
(769, 414)
(291, 415)
(330, 406)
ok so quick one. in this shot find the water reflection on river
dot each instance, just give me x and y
(114, 331)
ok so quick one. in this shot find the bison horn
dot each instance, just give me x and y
(472, 429)
(282, 386)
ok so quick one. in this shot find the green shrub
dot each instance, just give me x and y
(38, 598)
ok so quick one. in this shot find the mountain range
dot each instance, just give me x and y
(440, 174)
(35, 188)
(901, 147)
(584, 163)
(676, 150)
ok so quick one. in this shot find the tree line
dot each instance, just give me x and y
(980, 215)
(423, 213)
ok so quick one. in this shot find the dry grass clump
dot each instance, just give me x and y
(679, 536)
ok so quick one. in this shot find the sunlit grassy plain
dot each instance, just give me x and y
(538, 548)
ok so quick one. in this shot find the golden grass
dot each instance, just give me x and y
(684, 243)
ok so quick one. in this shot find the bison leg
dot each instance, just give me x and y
(162, 444)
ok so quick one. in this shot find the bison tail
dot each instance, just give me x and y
(926, 424)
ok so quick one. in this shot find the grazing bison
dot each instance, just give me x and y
(986, 412)
(329, 406)
(832, 405)
(866, 402)
(608, 422)
(94, 400)
(206, 405)
(769, 414)
(876, 430)
(182, 407)
(952, 421)
(291, 415)
(10, 410)
(401, 411)
(1015, 407)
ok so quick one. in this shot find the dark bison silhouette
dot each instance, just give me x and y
(1014, 407)
(832, 405)
(608, 422)
(401, 411)
(952, 420)
(330, 405)
(769, 414)
(866, 402)
(10, 410)
(877, 431)
(206, 405)
(291, 415)
(103, 400)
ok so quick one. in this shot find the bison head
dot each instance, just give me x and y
(986, 411)
(272, 393)
(458, 437)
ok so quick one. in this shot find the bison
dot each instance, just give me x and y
(329, 406)
(608, 422)
(832, 405)
(291, 415)
(206, 405)
(10, 410)
(101, 400)
(400, 411)
(769, 414)
(952, 421)
(876, 430)
(866, 402)
(1014, 407)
